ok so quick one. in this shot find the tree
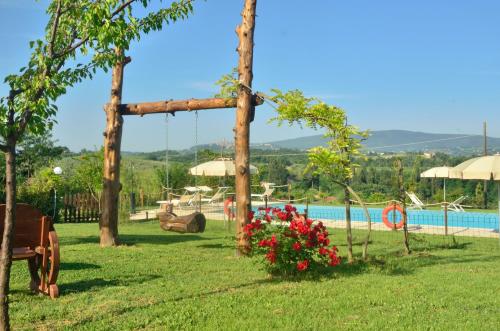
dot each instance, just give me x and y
(479, 194)
(84, 28)
(36, 151)
(336, 158)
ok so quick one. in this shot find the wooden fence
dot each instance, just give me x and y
(80, 207)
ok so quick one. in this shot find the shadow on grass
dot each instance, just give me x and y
(92, 284)
(78, 266)
(133, 239)
(178, 299)
(216, 246)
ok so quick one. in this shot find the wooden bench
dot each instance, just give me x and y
(35, 240)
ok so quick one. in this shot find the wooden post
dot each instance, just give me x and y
(289, 193)
(141, 197)
(112, 147)
(445, 218)
(485, 183)
(394, 216)
(244, 111)
(306, 210)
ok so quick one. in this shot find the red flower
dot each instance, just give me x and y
(251, 214)
(282, 215)
(309, 244)
(334, 260)
(247, 229)
(297, 246)
(257, 224)
(321, 237)
(302, 265)
(271, 256)
(268, 218)
(276, 210)
(323, 251)
(273, 242)
(263, 243)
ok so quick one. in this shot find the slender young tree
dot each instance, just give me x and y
(77, 30)
(336, 158)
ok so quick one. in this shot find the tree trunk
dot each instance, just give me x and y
(347, 202)
(8, 233)
(368, 219)
(112, 147)
(244, 110)
(399, 166)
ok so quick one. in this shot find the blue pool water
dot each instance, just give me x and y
(415, 217)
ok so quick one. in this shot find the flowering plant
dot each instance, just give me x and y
(290, 242)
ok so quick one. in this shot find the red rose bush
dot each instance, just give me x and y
(288, 242)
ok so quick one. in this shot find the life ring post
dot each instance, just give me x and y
(394, 207)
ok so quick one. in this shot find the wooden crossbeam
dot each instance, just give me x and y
(172, 106)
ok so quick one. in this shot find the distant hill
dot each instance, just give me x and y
(401, 141)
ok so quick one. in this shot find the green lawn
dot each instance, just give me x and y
(161, 280)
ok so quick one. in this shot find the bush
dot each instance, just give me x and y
(288, 243)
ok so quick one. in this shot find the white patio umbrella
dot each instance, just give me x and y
(438, 172)
(484, 167)
(218, 168)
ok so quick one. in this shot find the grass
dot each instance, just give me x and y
(159, 280)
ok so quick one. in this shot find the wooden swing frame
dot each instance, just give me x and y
(245, 107)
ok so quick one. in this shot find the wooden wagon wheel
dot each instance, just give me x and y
(43, 279)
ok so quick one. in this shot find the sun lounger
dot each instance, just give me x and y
(218, 196)
(416, 203)
(269, 189)
(457, 204)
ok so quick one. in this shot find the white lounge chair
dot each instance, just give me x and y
(416, 203)
(269, 189)
(190, 197)
(457, 204)
(218, 196)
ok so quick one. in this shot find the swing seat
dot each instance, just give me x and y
(192, 223)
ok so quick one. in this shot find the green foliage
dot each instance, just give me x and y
(177, 174)
(228, 85)
(38, 191)
(479, 194)
(36, 152)
(86, 174)
(344, 143)
(76, 30)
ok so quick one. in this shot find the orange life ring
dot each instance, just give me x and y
(385, 212)
(227, 208)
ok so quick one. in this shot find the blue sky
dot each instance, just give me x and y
(424, 65)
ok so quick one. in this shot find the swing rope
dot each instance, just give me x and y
(198, 208)
(166, 156)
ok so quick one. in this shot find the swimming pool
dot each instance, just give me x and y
(415, 217)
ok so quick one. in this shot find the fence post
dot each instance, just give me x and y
(394, 216)
(66, 198)
(132, 202)
(306, 210)
(265, 201)
(445, 218)
(289, 193)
